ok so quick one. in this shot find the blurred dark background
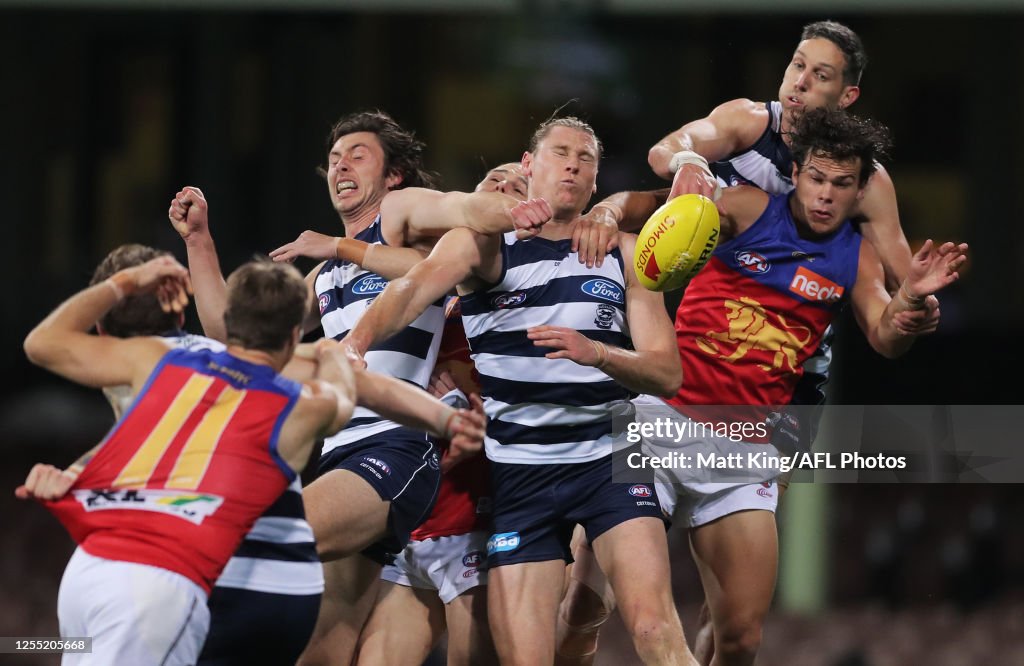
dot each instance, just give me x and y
(108, 113)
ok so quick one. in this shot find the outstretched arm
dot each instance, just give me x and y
(61, 343)
(414, 214)
(406, 404)
(683, 155)
(880, 219)
(931, 270)
(653, 367)
(387, 261)
(454, 259)
(189, 216)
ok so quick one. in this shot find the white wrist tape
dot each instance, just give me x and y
(688, 157)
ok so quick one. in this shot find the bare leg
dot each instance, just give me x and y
(588, 602)
(522, 603)
(469, 636)
(347, 515)
(634, 555)
(404, 626)
(737, 556)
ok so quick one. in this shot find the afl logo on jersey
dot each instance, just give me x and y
(752, 261)
(369, 284)
(640, 491)
(324, 301)
(604, 289)
(510, 300)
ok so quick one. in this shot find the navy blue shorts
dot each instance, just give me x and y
(248, 627)
(403, 467)
(537, 506)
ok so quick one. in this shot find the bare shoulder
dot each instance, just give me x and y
(397, 206)
(627, 245)
(742, 120)
(879, 199)
(739, 207)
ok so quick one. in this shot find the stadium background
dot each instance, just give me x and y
(110, 107)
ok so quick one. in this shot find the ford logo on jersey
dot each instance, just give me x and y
(752, 261)
(605, 289)
(369, 284)
(502, 543)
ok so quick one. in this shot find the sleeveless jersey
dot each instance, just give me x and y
(278, 555)
(344, 291)
(767, 164)
(757, 311)
(464, 497)
(184, 474)
(541, 410)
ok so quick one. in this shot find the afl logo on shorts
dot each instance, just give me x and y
(369, 284)
(473, 560)
(752, 261)
(509, 300)
(383, 466)
(765, 489)
(640, 491)
(324, 301)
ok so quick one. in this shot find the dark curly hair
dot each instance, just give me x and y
(847, 41)
(403, 152)
(840, 136)
(137, 314)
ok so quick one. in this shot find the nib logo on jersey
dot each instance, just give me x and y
(193, 507)
(502, 543)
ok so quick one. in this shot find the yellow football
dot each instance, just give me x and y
(676, 242)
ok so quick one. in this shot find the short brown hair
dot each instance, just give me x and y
(137, 314)
(847, 41)
(266, 301)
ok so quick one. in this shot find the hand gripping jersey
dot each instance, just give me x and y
(757, 311)
(184, 474)
(344, 291)
(541, 410)
(463, 499)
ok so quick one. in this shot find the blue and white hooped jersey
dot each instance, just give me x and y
(278, 554)
(541, 410)
(767, 164)
(344, 291)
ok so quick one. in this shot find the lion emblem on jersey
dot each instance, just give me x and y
(750, 329)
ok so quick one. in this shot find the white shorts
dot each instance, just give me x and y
(693, 495)
(136, 614)
(693, 510)
(449, 564)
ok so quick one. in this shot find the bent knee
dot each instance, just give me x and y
(739, 636)
(583, 608)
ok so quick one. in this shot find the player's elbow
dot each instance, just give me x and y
(670, 379)
(39, 348)
(657, 162)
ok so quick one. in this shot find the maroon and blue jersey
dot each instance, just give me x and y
(758, 310)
